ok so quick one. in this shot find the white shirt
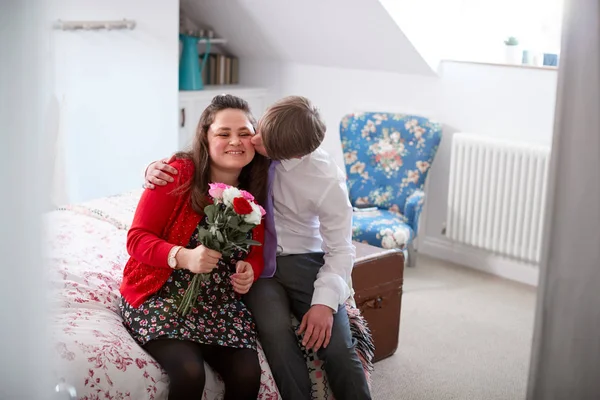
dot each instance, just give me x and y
(313, 214)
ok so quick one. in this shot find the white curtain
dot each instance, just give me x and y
(565, 362)
(55, 162)
(25, 85)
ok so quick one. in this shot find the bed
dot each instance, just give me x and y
(85, 251)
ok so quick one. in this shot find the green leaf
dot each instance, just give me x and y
(252, 242)
(230, 211)
(210, 211)
(244, 227)
(237, 236)
(233, 222)
(204, 235)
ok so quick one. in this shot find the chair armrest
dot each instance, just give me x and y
(413, 208)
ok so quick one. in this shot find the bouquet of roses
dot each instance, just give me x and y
(232, 214)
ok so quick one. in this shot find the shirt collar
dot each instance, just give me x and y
(292, 163)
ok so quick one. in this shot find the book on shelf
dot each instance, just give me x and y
(220, 69)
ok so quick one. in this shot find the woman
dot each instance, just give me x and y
(163, 244)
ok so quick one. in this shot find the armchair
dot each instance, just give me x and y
(387, 158)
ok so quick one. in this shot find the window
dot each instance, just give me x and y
(478, 28)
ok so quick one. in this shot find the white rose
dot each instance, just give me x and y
(255, 216)
(229, 194)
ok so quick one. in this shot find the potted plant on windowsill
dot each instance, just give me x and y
(513, 53)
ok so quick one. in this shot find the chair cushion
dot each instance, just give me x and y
(381, 228)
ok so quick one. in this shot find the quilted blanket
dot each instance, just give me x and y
(85, 250)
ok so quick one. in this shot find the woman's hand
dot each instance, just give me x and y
(243, 278)
(199, 260)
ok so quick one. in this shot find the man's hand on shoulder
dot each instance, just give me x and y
(316, 326)
(159, 173)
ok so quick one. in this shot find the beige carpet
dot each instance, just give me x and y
(463, 335)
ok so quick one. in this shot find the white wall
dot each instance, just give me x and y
(504, 102)
(118, 93)
(265, 74)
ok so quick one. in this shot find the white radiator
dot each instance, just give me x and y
(497, 196)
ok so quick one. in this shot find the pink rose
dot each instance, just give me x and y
(246, 195)
(215, 190)
(262, 211)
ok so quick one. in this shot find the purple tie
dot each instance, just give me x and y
(270, 247)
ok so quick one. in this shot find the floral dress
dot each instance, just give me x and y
(219, 317)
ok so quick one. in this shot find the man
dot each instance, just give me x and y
(313, 225)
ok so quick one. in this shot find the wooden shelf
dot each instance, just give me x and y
(493, 64)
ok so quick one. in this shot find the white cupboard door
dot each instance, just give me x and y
(185, 116)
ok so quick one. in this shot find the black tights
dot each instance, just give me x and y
(184, 362)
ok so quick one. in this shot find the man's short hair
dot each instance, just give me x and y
(291, 128)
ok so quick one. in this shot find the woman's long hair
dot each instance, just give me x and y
(253, 177)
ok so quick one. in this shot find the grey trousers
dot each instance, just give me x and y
(291, 289)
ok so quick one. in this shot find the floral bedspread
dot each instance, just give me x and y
(85, 249)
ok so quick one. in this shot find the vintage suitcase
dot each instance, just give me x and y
(377, 280)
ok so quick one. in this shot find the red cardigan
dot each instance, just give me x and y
(163, 220)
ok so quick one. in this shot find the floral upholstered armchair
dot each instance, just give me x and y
(387, 159)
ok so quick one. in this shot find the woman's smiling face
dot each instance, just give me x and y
(229, 138)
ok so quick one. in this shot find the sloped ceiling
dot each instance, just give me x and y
(357, 34)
